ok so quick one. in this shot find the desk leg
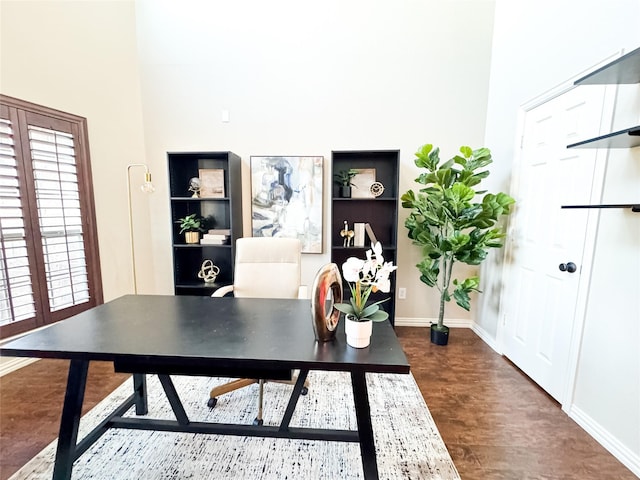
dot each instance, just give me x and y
(71, 412)
(293, 400)
(365, 430)
(140, 392)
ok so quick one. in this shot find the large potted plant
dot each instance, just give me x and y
(450, 226)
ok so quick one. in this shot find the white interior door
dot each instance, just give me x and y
(542, 299)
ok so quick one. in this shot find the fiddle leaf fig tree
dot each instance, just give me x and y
(449, 224)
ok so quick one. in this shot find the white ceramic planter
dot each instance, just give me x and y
(358, 333)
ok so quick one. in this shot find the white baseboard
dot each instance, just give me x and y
(486, 338)
(426, 322)
(11, 364)
(627, 457)
(452, 323)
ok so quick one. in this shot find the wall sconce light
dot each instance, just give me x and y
(145, 187)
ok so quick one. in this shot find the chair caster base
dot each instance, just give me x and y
(258, 422)
(212, 402)
(304, 391)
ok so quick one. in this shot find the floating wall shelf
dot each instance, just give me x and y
(623, 70)
(634, 207)
(627, 138)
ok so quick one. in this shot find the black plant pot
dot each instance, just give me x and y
(439, 336)
(344, 192)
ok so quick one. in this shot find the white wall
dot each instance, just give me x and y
(80, 57)
(297, 78)
(306, 78)
(537, 46)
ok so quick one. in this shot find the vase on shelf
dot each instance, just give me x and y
(192, 237)
(344, 192)
(358, 332)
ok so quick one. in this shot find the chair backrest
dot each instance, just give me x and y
(267, 267)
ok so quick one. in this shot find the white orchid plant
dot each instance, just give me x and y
(364, 277)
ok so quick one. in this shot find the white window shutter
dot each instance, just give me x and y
(59, 215)
(16, 291)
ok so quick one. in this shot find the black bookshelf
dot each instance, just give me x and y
(381, 212)
(224, 212)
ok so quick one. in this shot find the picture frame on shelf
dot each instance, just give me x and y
(362, 182)
(286, 198)
(211, 183)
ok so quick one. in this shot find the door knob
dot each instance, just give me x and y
(568, 267)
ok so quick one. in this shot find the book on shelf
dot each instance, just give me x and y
(215, 236)
(214, 241)
(370, 233)
(219, 231)
(358, 234)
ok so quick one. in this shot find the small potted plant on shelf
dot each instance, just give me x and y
(449, 226)
(365, 277)
(343, 180)
(191, 226)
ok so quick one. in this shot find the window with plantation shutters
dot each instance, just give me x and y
(49, 262)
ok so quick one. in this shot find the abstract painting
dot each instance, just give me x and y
(286, 199)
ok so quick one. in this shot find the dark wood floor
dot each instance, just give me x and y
(495, 422)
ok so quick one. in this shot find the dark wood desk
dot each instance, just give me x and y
(185, 335)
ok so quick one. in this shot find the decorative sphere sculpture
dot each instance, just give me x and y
(194, 187)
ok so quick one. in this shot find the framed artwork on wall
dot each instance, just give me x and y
(286, 199)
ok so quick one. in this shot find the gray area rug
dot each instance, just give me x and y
(408, 443)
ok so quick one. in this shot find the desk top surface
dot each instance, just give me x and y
(206, 331)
